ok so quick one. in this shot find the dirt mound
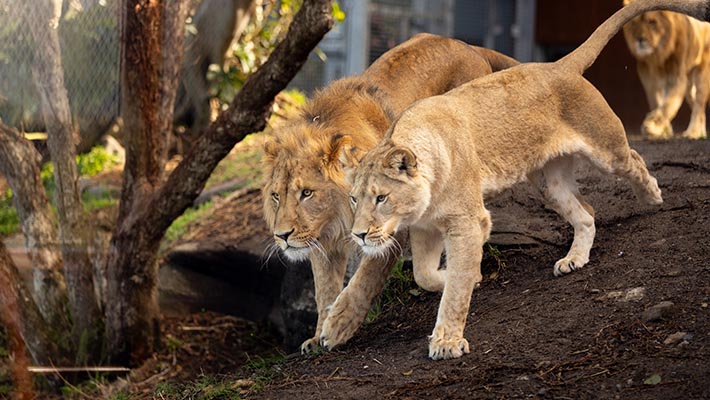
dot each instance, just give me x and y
(633, 323)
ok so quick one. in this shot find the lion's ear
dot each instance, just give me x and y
(343, 152)
(402, 159)
(271, 149)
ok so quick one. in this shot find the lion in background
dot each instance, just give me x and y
(305, 194)
(673, 62)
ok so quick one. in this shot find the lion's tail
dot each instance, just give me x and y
(497, 61)
(583, 56)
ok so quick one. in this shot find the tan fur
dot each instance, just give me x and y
(305, 192)
(446, 153)
(673, 62)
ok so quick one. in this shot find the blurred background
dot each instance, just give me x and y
(221, 50)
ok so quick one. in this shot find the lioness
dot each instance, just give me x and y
(305, 194)
(673, 61)
(446, 153)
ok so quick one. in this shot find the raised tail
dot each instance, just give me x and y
(583, 56)
(498, 61)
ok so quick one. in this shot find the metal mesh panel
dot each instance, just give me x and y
(89, 40)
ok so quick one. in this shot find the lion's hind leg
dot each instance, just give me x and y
(631, 167)
(561, 191)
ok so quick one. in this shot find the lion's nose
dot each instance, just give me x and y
(360, 235)
(284, 235)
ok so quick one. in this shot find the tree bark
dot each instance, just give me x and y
(10, 318)
(22, 318)
(152, 46)
(132, 323)
(73, 230)
(19, 163)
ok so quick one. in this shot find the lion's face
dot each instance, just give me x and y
(647, 33)
(387, 192)
(305, 198)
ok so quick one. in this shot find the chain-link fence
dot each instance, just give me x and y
(89, 40)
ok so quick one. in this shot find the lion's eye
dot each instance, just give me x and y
(381, 199)
(275, 197)
(353, 200)
(306, 193)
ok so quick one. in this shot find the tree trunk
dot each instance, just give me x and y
(10, 318)
(21, 316)
(19, 163)
(132, 323)
(152, 46)
(73, 231)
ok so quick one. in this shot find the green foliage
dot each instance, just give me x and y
(492, 256)
(266, 29)
(400, 288)
(244, 165)
(180, 225)
(263, 370)
(95, 161)
(204, 388)
(9, 223)
(89, 164)
(173, 344)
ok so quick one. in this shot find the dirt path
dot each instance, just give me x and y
(586, 335)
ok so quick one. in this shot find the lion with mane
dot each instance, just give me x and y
(672, 51)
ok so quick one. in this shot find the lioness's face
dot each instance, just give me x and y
(387, 192)
(305, 202)
(644, 34)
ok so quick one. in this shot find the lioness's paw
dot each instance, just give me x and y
(567, 265)
(443, 348)
(310, 345)
(695, 134)
(339, 326)
(654, 196)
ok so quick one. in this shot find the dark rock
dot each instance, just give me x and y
(658, 311)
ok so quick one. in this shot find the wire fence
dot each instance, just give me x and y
(89, 40)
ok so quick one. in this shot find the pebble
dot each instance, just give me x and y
(633, 294)
(657, 312)
(675, 338)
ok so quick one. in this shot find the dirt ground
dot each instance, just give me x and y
(590, 334)
(593, 334)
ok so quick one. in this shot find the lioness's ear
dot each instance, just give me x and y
(402, 159)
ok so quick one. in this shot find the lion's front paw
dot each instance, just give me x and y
(656, 126)
(310, 346)
(340, 325)
(567, 265)
(443, 348)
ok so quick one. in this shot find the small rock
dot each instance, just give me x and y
(634, 294)
(658, 243)
(704, 305)
(657, 312)
(675, 338)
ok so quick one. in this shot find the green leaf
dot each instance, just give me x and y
(654, 379)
